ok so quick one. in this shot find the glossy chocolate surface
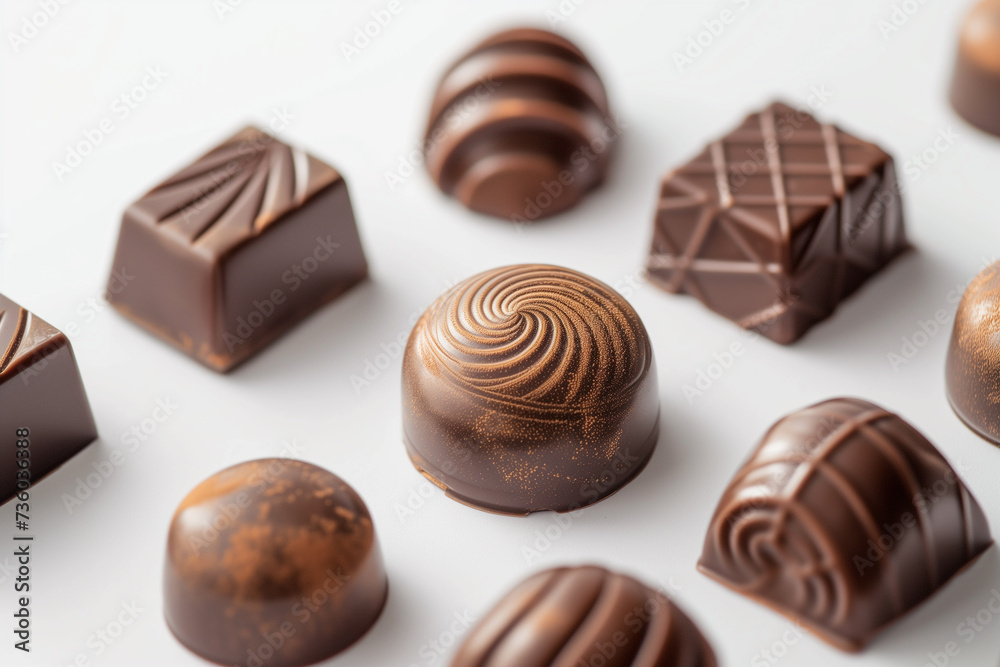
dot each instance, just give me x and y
(975, 86)
(41, 391)
(528, 388)
(844, 519)
(972, 370)
(272, 562)
(778, 222)
(520, 127)
(572, 616)
(235, 249)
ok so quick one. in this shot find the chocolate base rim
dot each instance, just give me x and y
(421, 465)
(836, 641)
(905, 251)
(968, 423)
(227, 363)
(546, 214)
(981, 130)
(345, 649)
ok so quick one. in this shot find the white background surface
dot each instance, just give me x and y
(362, 116)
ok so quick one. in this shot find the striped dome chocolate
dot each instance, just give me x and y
(520, 127)
(572, 616)
(844, 518)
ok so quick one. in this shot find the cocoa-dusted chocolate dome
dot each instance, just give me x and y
(528, 388)
(972, 371)
(272, 562)
(520, 127)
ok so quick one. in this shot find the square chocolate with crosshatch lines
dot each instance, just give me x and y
(230, 252)
(778, 222)
(45, 417)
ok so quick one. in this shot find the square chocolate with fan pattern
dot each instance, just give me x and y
(778, 222)
(44, 411)
(233, 250)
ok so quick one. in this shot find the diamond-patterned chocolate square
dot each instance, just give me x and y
(778, 222)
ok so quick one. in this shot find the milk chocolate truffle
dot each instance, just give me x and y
(520, 127)
(272, 562)
(45, 417)
(972, 370)
(844, 519)
(530, 388)
(778, 222)
(975, 86)
(235, 249)
(571, 616)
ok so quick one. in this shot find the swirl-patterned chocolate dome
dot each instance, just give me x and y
(844, 518)
(520, 127)
(530, 388)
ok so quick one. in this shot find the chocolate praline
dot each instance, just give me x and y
(845, 518)
(778, 222)
(972, 369)
(229, 253)
(975, 86)
(44, 412)
(528, 388)
(272, 562)
(520, 127)
(573, 616)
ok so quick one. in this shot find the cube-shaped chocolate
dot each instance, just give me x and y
(778, 222)
(45, 418)
(235, 249)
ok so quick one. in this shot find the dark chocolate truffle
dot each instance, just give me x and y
(972, 370)
(272, 562)
(975, 86)
(530, 388)
(232, 251)
(44, 412)
(778, 222)
(844, 518)
(571, 616)
(520, 127)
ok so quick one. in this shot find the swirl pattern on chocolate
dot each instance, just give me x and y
(972, 371)
(530, 387)
(844, 518)
(523, 110)
(570, 616)
(537, 337)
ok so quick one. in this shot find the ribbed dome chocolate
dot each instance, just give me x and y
(520, 127)
(572, 616)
